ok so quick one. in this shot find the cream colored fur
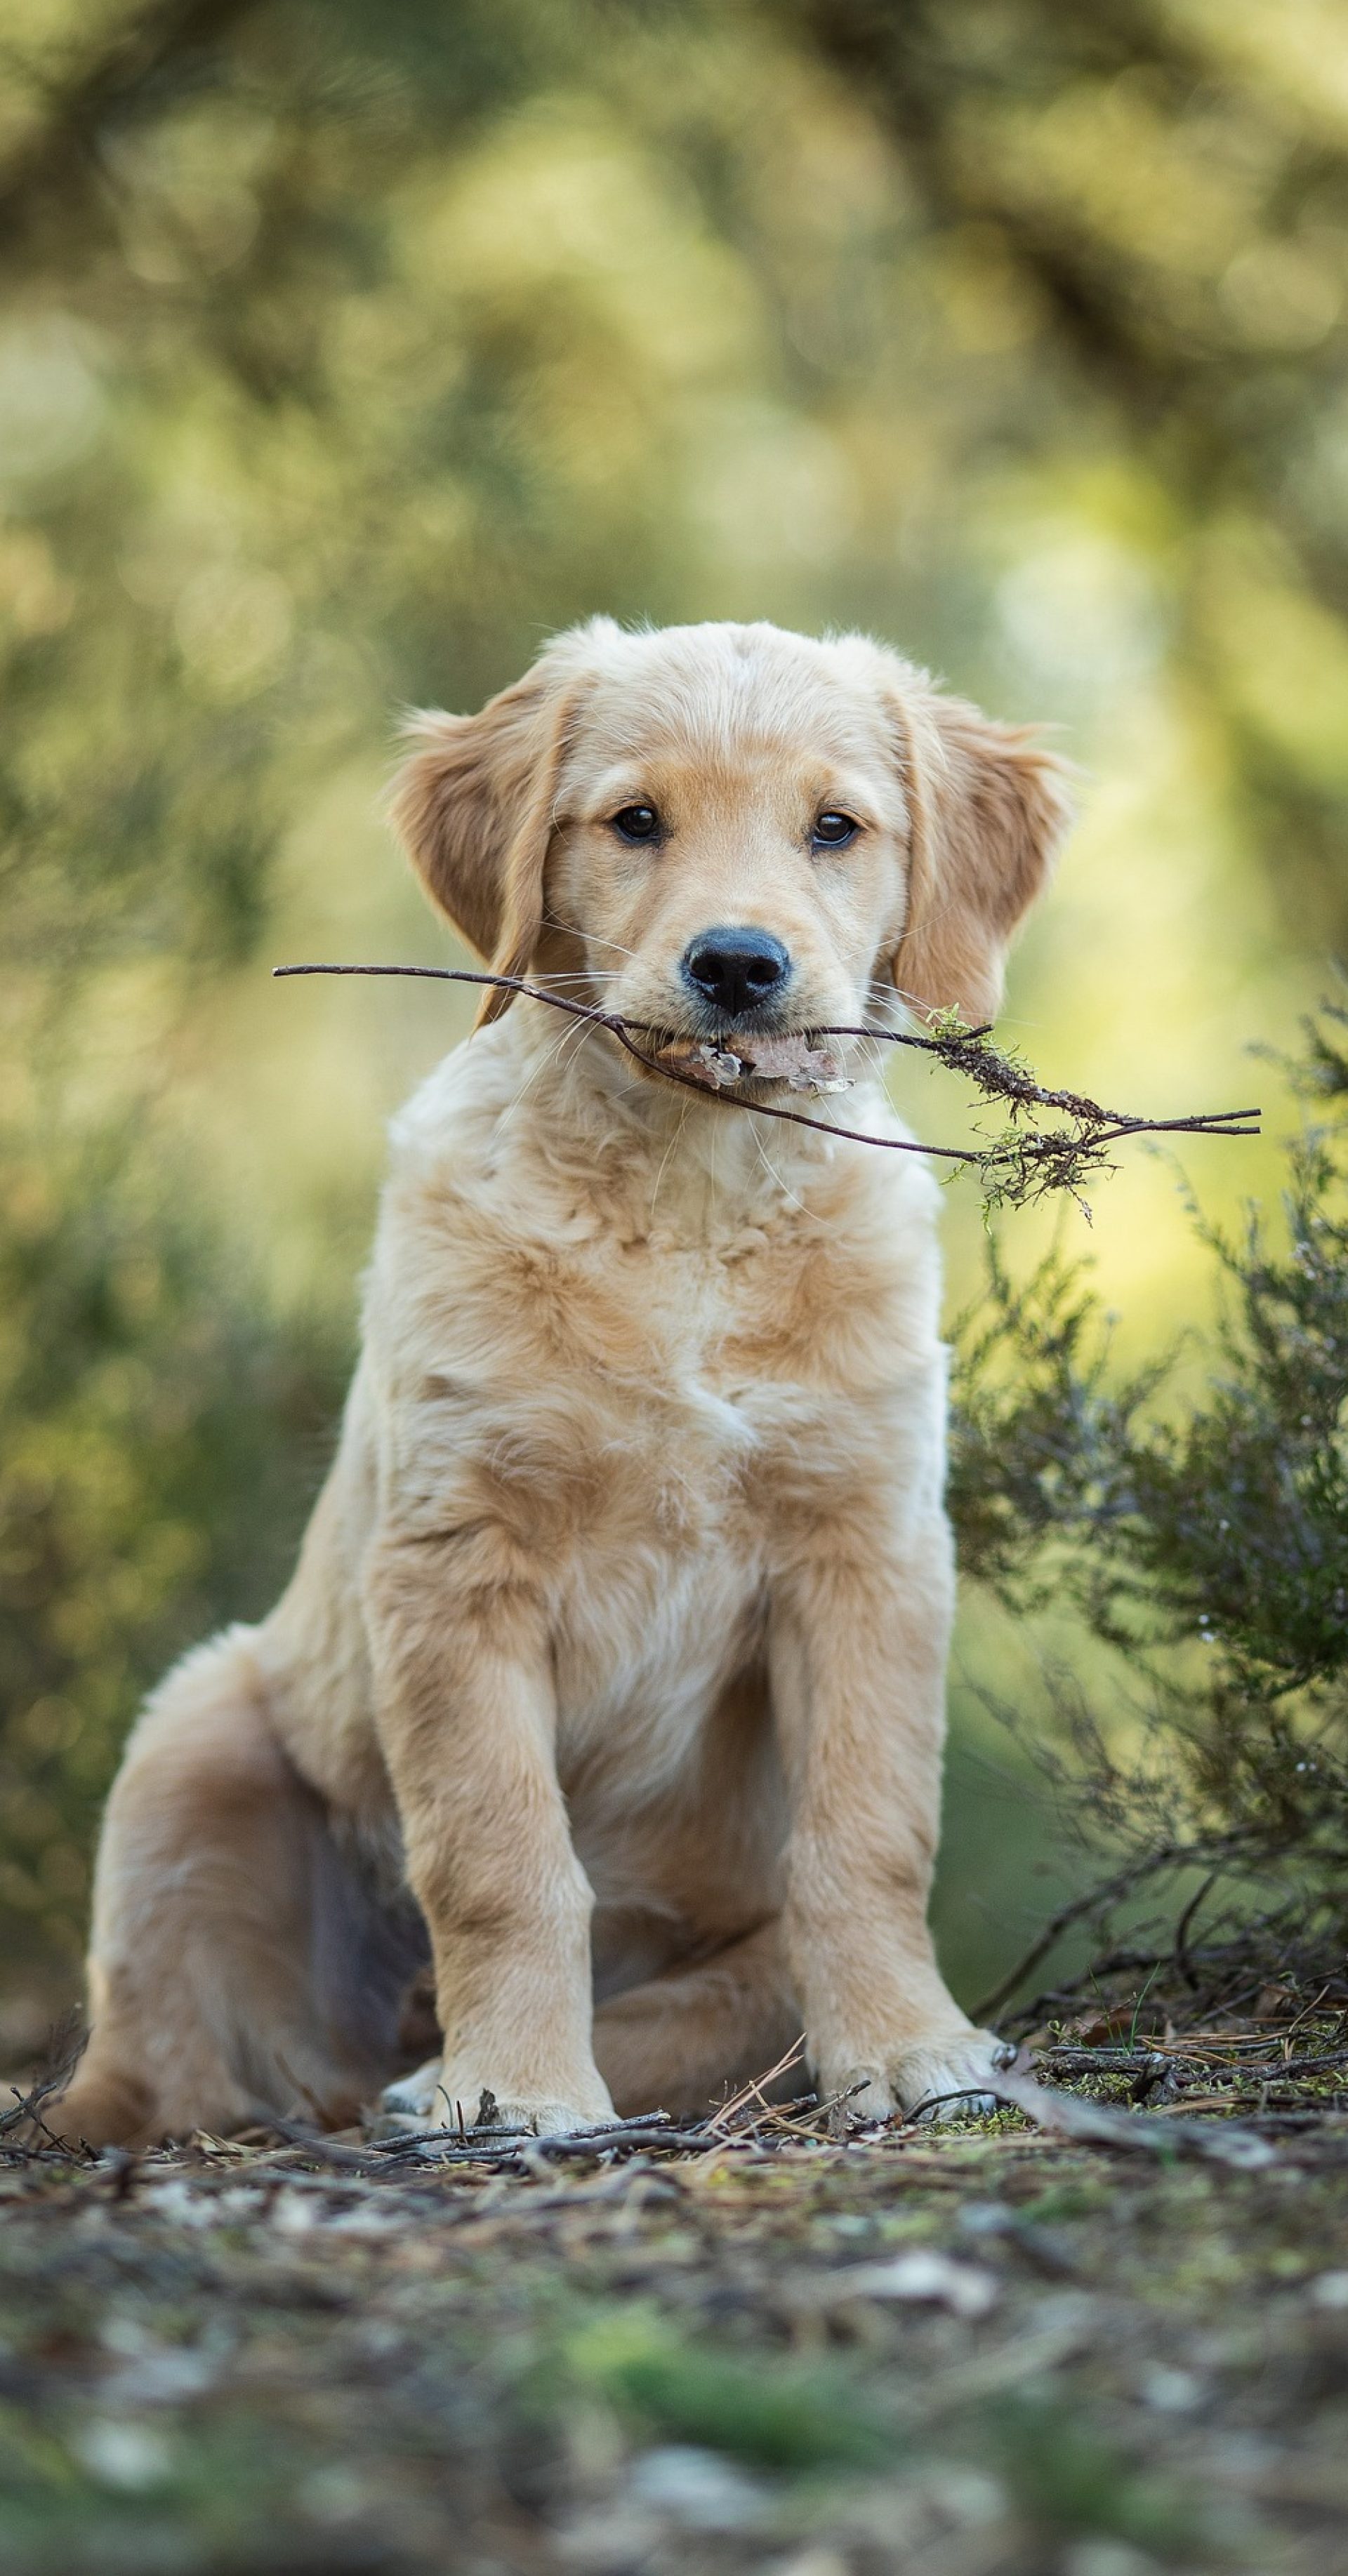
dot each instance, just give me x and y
(615, 1653)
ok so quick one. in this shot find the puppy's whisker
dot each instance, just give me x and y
(664, 1160)
(776, 1178)
(590, 938)
(551, 1056)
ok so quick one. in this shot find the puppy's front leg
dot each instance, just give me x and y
(466, 1717)
(858, 1649)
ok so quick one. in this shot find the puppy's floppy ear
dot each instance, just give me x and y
(474, 806)
(987, 810)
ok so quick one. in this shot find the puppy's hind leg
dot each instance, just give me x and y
(678, 2041)
(201, 1976)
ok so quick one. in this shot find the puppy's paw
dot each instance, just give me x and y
(420, 2101)
(943, 2080)
(940, 2078)
(436, 2098)
(552, 2119)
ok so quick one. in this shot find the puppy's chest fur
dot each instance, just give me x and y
(651, 1420)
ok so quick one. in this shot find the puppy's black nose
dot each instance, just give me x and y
(737, 970)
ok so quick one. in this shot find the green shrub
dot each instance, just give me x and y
(1203, 1537)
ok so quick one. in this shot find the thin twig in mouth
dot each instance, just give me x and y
(1023, 1163)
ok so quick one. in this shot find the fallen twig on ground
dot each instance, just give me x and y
(1070, 2115)
(66, 2046)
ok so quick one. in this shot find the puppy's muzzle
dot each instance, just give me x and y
(738, 971)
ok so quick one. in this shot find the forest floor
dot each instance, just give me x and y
(984, 2350)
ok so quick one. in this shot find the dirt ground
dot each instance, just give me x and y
(983, 2351)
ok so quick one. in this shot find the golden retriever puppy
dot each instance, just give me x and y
(610, 1681)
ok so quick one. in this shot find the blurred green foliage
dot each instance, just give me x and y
(678, 2390)
(161, 1435)
(1169, 178)
(345, 351)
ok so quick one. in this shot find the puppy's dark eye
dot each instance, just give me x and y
(832, 831)
(637, 823)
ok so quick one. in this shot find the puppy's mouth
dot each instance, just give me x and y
(743, 1059)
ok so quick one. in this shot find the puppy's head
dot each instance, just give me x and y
(713, 830)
